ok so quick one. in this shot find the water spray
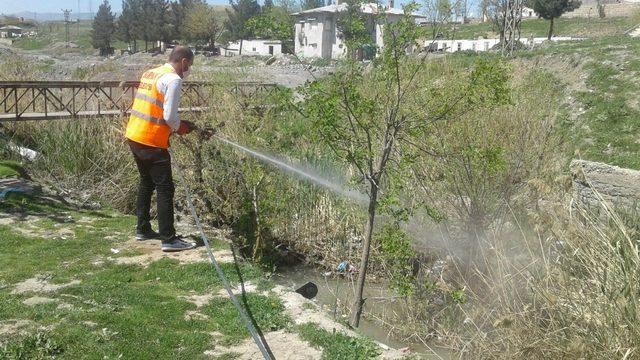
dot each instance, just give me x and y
(316, 179)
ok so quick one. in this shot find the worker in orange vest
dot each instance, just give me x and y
(154, 117)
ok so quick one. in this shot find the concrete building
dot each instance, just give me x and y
(10, 31)
(253, 47)
(528, 13)
(479, 45)
(316, 34)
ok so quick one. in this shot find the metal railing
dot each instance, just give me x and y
(48, 100)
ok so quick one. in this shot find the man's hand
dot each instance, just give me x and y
(185, 127)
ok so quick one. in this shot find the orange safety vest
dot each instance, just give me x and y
(146, 124)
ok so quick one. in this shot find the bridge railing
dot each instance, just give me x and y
(45, 100)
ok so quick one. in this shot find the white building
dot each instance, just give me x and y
(253, 47)
(10, 31)
(317, 34)
(452, 46)
(528, 13)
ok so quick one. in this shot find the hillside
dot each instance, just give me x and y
(565, 26)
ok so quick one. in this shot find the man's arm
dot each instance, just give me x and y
(171, 103)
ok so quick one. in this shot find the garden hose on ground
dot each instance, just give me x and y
(249, 325)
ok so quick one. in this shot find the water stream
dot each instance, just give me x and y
(330, 287)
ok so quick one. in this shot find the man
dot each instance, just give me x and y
(154, 116)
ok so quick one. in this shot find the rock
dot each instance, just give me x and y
(593, 181)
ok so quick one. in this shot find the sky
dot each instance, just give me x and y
(55, 6)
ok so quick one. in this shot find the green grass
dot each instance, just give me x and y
(578, 27)
(10, 169)
(338, 345)
(141, 309)
(602, 122)
(37, 43)
(54, 32)
(266, 310)
(607, 128)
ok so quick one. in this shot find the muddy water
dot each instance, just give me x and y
(380, 301)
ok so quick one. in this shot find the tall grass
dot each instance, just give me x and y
(87, 159)
(573, 295)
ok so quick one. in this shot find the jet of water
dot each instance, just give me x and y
(316, 179)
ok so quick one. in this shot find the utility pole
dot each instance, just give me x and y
(512, 20)
(67, 17)
(78, 21)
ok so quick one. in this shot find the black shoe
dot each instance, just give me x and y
(177, 244)
(149, 235)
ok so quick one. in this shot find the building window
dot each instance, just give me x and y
(254, 49)
(459, 46)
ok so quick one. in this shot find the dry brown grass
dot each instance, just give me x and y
(572, 293)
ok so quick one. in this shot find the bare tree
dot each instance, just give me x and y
(506, 16)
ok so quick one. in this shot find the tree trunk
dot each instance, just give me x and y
(601, 12)
(257, 251)
(256, 211)
(356, 311)
(240, 49)
(199, 163)
(550, 29)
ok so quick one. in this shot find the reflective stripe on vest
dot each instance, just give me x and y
(146, 124)
(148, 99)
(148, 118)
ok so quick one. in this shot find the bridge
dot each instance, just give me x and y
(50, 100)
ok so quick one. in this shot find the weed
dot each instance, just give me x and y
(40, 345)
(10, 168)
(267, 311)
(338, 345)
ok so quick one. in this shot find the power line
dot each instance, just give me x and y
(67, 17)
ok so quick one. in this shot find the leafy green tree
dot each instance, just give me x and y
(352, 28)
(241, 11)
(553, 9)
(438, 13)
(369, 120)
(179, 11)
(274, 23)
(288, 5)
(154, 21)
(103, 28)
(312, 4)
(145, 29)
(398, 257)
(164, 21)
(127, 23)
(202, 23)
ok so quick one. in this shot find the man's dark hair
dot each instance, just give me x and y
(180, 52)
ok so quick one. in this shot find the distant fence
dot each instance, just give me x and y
(50, 100)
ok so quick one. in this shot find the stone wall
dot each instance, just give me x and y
(617, 186)
(611, 10)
